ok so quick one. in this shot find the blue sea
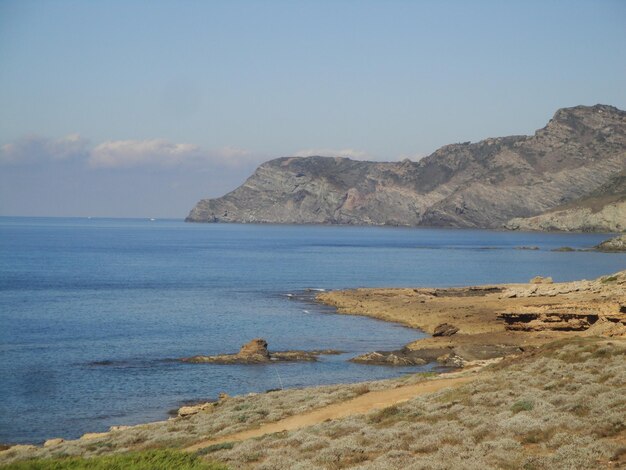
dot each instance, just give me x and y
(94, 312)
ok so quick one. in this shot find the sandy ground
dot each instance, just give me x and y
(363, 404)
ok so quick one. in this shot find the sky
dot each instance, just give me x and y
(130, 108)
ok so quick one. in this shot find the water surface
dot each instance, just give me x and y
(131, 294)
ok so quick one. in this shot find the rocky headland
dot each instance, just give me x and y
(568, 168)
(256, 352)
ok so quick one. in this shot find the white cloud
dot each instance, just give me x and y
(132, 153)
(112, 154)
(327, 152)
(162, 153)
(34, 148)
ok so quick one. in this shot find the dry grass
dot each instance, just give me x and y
(561, 407)
(229, 416)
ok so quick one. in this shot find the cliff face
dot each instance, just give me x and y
(604, 210)
(484, 184)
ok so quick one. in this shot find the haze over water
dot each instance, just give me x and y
(93, 310)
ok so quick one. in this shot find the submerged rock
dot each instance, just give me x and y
(256, 352)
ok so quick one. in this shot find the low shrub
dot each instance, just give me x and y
(147, 460)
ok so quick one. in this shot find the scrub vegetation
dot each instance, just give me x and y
(560, 406)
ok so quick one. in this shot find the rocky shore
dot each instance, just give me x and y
(485, 322)
(540, 384)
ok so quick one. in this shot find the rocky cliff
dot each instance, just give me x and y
(484, 184)
(604, 210)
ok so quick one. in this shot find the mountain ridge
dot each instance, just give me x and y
(469, 185)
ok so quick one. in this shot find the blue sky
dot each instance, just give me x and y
(140, 108)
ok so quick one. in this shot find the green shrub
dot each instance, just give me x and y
(216, 447)
(522, 405)
(147, 460)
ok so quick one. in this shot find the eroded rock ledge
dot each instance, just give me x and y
(479, 323)
(256, 352)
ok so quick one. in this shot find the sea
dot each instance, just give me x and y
(95, 313)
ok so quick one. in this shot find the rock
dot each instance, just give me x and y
(93, 435)
(451, 360)
(546, 318)
(389, 358)
(617, 244)
(445, 329)
(565, 249)
(482, 184)
(185, 411)
(541, 280)
(119, 428)
(401, 357)
(223, 396)
(256, 352)
(484, 351)
(53, 442)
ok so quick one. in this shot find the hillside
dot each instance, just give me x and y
(483, 184)
(604, 210)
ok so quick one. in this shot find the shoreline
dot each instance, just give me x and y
(525, 315)
(484, 315)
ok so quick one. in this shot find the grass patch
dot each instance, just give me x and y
(539, 436)
(215, 448)
(456, 396)
(522, 405)
(389, 414)
(148, 460)
(609, 279)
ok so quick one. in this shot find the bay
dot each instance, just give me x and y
(93, 311)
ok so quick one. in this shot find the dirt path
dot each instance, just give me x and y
(362, 404)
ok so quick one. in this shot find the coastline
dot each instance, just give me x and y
(557, 309)
(524, 315)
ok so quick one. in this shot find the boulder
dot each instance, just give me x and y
(445, 329)
(541, 280)
(185, 411)
(53, 442)
(255, 350)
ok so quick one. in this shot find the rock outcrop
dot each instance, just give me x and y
(445, 329)
(256, 352)
(484, 184)
(617, 244)
(450, 356)
(604, 210)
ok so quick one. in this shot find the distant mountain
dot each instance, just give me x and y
(485, 184)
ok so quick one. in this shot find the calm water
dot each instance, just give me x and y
(136, 293)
